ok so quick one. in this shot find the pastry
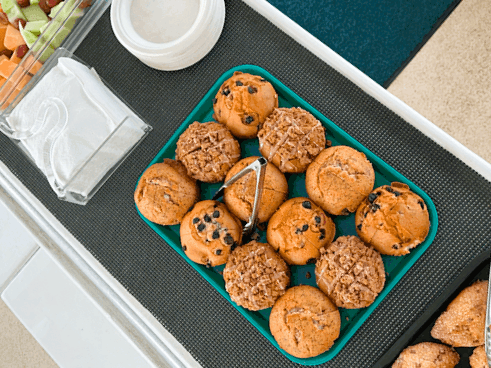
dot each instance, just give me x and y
(291, 139)
(350, 273)
(299, 229)
(243, 102)
(239, 197)
(165, 193)
(462, 324)
(393, 220)
(209, 232)
(339, 179)
(478, 358)
(304, 322)
(427, 355)
(208, 151)
(255, 276)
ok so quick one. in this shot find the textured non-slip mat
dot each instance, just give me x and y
(379, 37)
(186, 305)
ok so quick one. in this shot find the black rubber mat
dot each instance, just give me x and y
(211, 329)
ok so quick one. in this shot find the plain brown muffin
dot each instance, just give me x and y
(304, 322)
(165, 193)
(339, 179)
(393, 220)
(239, 197)
(291, 139)
(209, 232)
(243, 102)
(427, 355)
(208, 151)
(478, 358)
(462, 324)
(255, 276)
(299, 229)
(350, 273)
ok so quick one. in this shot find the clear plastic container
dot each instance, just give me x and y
(94, 156)
(40, 53)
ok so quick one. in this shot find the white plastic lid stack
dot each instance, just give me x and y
(188, 48)
(75, 129)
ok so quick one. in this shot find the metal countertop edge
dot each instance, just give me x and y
(155, 343)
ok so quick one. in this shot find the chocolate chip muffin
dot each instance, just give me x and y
(393, 220)
(256, 276)
(298, 230)
(304, 322)
(209, 232)
(350, 273)
(208, 151)
(239, 197)
(165, 193)
(478, 358)
(463, 322)
(427, 355)
(243, 103)
(339, 179)
(291, 139)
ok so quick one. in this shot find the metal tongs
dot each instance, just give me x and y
(487, 331)
(259, 166)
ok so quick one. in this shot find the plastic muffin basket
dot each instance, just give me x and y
(395, 267)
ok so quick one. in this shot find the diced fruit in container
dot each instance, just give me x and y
(20, 78)
(29, 38)
(34, 2)
(64, 8)
(7, 53)
(34, 13)
(35, 27)
(13, 38)
(52, 3)
(3, 57)
(4, 19)
(7, 5)
(15, 59)
(85, 4)
(7, 67)
(43, 55)
(42, 4)
(14, 12)
(32, 65)
(21, 51)
(17, 23)
(72, 18)
(23, 3)
(3, 30)
(60, 37)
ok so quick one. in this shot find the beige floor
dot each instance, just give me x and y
(448, 82)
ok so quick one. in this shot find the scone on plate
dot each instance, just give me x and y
(478, 358)
(427, 355)
(255, 276)
(165, 193)
(304, 322)
(208, 150)
(209, 232)
(350, 273)
(291, 138)
(339, 179)
(393, 219)
(243, 102)
(239, 197)
(462, 324)
(299, 229)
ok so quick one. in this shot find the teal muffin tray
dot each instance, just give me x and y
(395, 267)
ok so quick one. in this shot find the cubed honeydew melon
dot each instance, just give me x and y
(60, 37)
(35, 27)
(7, 5)
(34, 2)
(14, 13)
(72, 18)
(34, 13)
(29, 37)
(45, 54)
